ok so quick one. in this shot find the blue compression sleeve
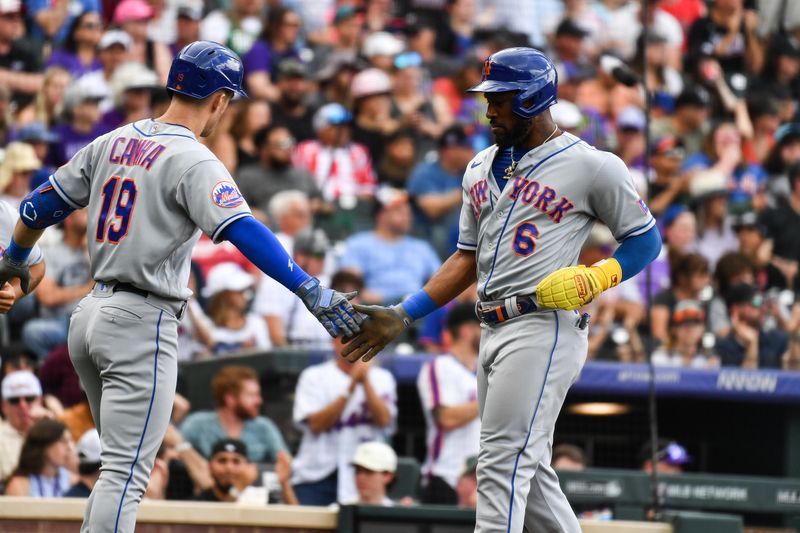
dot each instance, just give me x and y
(637, 252)
(419, 305)
(43, 207)
(259, 245)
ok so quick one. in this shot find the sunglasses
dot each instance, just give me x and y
(285, 144)
(90, 25)
(28, 399)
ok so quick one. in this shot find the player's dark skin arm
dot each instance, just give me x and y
(454, 276)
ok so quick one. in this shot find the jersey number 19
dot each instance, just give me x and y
(117, 228)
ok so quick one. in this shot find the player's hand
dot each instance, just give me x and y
(572, 287)
(11, 269)
(7, 297)
(381, 327)
(332, 308)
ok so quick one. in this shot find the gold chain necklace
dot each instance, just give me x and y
(510, 169)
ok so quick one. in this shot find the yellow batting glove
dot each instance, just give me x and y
(573, 287)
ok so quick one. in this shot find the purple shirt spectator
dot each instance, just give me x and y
(33, 8)
(72, 141)
(70, 62)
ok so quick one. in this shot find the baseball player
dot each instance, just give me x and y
(529, 203)
(150, 187)
(12, 291)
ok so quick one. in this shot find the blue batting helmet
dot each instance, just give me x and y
(526, 70)
(203, 68)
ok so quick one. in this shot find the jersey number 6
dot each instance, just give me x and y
(118, 227)
(524, 236)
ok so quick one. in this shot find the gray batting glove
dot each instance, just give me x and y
(332, 308)
(10, 269)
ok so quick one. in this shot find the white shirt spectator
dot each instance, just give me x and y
(445, 381)
(320, 454)
(252, 336)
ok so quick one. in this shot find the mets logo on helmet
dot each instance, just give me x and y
(225, 194)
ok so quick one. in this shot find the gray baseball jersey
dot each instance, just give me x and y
(148, 187)
(539, 222)
(8, 220)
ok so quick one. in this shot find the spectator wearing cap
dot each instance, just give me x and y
(709, 198)
(237, 28)
(51, 21)
(132, 86)
(289, 324)
(273, 173)
(661, 76)
(749, 345)
(78, 54)
(238, 400)
(393, 263)
(277, 43)
(380, 48)
(133, 17)
(344, 39)
(467, 484)
(568, 45)
(20, 62)
(372, 110)
(39, 136)
(290, 213)
(784, 153)
(436, 189)
(334, 78)
(782, 65)
(732, 269)
(765, 114)
(82, 109)
(671, 457)
(44, 461)
(89, 450)
(780, 223)
(341, 168)
(234, 328)
(667, 186)
(688, 277)
(113, 50)
(683, 348)
(22, 407)
(17, 166)
(337, 406)
(229, 470)
(375, 464)
(688, 120)
(448, 392)
(187, 25)
(630, 137)
(292, 108)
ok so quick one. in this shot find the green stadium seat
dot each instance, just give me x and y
(406, 481)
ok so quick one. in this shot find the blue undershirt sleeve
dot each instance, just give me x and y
(262, 248)
(635, 253)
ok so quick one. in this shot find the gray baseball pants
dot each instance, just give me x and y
(124, 348)
(525, 367)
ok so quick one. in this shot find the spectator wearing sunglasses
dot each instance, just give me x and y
(683, 347)
(22, 407)
(749, 345)
(78, 55)
(668, 186)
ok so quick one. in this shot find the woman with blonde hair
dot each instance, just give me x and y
(49, 102)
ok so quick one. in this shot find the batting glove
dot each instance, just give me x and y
(332, 308)
(10, 269)
(573, 287)
(383, 326)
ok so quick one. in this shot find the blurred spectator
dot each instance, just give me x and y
(291, 107)
(393, 264)
(684, 11)
(48, 103)
(468, 108)
(113, 50)
(688, 277)
(380, 48)
(228, 290)
(132, 16)
(689, 119)
(334, 79)
(620, 26)
(78, 54)
(51, 20)
(288, 321)
(398, 160)
(337, 406)
(237, 395)
(748, 345)
(18, 165)
(236, 28)
(251, 117)
(709, 197)
(667, 186)
(436, 189)
(732, 269)
(630, 137)
(375, 464)
(22, 407)
(273, 173)
(81, 107)
(456, 37)
(780, 223)
(67, 280)
(194, 330)
(89, 462)
(448, 392)
(342, 169)
(41, 139)
(467, 484)
(372, 110)
(228, 465)
(661, 77)
(784, 154)
(671, 457)
(345, 38)
(765, 115)
(59, 379)
(782, 65)
(46, 455)
(278, 42)
(431, 332)
(290, 212)
(187, 25)
(568, 457)
(421, 36)
(133, 86)
(568, 49)
(20, 60)
(683, 347)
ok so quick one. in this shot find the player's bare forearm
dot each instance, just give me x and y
(37, 274)
(26, 237)
(455, 416)
(453, 278)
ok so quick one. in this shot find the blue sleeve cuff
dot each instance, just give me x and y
(637, 252)
(17, 253)
(419, 305)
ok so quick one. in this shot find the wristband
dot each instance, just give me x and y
(16, 253)
(419, 305)
(183, 447)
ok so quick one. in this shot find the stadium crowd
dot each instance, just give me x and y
(351, 147)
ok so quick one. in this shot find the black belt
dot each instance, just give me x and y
(502, 310)
(127, 287)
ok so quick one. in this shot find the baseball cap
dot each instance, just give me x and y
(190, 10)
(707, 185)
(568, 28)
(688, 311)
(332, 114)
(667, 145)
(667, 451)
(566, 114)
(454, 135)
(787, 131)
(81, 90)
(20, 383)
(20, 157)
(112, 37)
(336, 62)
(387, 197)
(311, 242)
(36, 132)
(743, 293)
(631, 118)
(786, 46)
(230, 446)
(292, 68)
(128, 10)
(10, 6)
(370, 82)
(227, 277)
(748, 220)
(407, 59)
(382, 43)
(693, 96)
(344, 12)
(375, 456)
(89, 448)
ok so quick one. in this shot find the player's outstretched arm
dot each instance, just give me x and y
(386, 323)
(262, 248)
